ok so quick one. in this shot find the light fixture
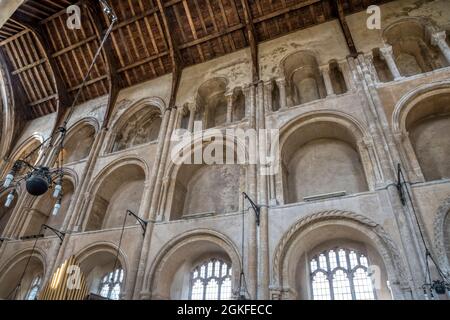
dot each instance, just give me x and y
(9, 199)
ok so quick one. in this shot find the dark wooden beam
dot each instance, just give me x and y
(174, 52)
(345, 29)
(95, 13)
(253, 42)
(62, 100)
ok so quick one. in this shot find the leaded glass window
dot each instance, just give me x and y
(341, 274)
(111, 285)
(211, 281)
(34, 288)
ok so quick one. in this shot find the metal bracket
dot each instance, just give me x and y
(60, 234)
(141, 221)
(400, 186)
(255, 207)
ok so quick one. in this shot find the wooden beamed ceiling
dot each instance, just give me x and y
(142, 49)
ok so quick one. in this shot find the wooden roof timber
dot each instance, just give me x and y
(155, 37)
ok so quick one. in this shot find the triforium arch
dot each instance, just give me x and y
(339, 145)
(99, 260)
(117, 188)
(79, 140)
(191, 188)
(24, 149)
(413, 51)
(304, 82)
(421, 122)
(11, 272)
(136, 125)
(441, 228)
(291, 276)
(211, 103)
(39, 210)
(168, 277)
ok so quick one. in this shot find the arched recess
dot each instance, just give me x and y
(303, 78)
(12, 270)
(238, 112)
(212, 187)
(422, 121)
(98, 260)
(79, 140)
(441, 228)
(40, 210)
(328, 229)
(23, 150)
(168, 277)
(136, 125)
(211, 103)
(413, 52)
(118, 188)
(323, 153)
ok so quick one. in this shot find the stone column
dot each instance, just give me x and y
(438, 39)
(229, 96)
(283, 97)
(268, 88)
(325, 71)
(192, 111)
(388, 56)
(371, 66)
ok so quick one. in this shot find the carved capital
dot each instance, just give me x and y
(386, 51)
(438, 38)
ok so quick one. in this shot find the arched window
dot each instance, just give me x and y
(341, 274)
(111, 285)
(211, 281)
(34, 288)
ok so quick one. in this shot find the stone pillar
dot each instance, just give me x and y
(283, 97)
(388, 56)
(229, 96)
(192, 111)
(325, 71)
(268, 88)
(438, 39)
(371, 66)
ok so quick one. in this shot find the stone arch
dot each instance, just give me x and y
(374, 233)
(421, 120)
(211, 103)
(23, 149)
(122, 179)
(39, 210)
(8, 115)
(13, 268)
(412, 49)
(304, 82)
(79, 140)
(136, 125)
(176, 190)
(441, 227)
(321, 133)
(190, 245)
(97, 259)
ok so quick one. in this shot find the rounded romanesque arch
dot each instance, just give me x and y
(23, 150)
(12, 270)
(99, 259)
(211, 103)
(412, 48)
(117, 188)
(135, 124)
(7, 112)
(342, 226)
(421, 122)
(168, 275)
(192, 187)
(332, 143)
(303, 78)
(79, 140)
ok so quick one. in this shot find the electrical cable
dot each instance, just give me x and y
(427, 251)
(118, 247)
